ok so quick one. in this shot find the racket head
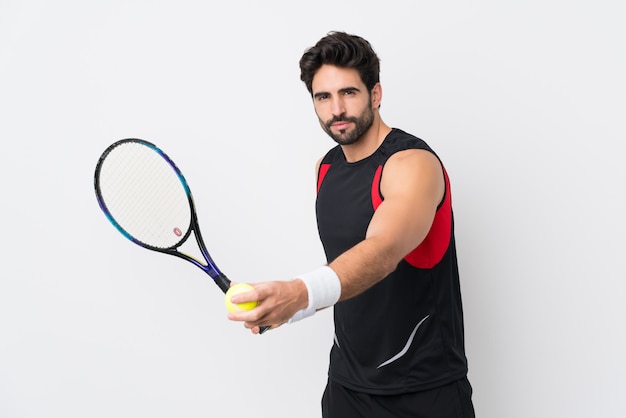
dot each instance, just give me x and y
(144, 194)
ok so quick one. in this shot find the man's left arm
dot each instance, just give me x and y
(412, 186)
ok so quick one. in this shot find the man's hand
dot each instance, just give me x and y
(277, 302)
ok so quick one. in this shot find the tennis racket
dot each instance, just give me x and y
(146, 197)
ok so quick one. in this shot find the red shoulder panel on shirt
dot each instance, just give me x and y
(430, 252)
(320, 177)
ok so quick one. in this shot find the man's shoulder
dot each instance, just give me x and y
(404, 140)
(398, 141)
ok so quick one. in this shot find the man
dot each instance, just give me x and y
(385, 220)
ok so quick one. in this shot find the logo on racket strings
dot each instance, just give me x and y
(178, 232)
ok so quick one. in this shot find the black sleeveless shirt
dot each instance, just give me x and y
(405, 333)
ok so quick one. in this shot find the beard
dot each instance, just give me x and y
(361, 124)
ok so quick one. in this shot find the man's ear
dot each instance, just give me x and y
(377, 96)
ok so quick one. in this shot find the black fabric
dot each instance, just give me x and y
(404, 334)
(449, 401)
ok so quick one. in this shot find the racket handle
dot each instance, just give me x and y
(222, 282)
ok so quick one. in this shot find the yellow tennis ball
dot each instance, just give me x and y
(233, 290)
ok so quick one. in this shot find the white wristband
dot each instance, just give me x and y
(324, 290)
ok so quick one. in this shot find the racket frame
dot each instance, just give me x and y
(209, 267)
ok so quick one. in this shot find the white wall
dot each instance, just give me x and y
(525, 104)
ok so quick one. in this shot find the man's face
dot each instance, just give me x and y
(342, 103)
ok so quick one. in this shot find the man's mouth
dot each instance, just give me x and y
(341, 125)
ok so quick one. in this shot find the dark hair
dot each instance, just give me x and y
(341, 50)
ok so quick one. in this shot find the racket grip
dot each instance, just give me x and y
(222, 282)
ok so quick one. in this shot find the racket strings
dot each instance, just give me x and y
(145, 195)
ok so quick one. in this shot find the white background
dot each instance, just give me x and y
(524, 101)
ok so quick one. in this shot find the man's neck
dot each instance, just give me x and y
(368, 143)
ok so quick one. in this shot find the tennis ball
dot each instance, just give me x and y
(235, 289)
